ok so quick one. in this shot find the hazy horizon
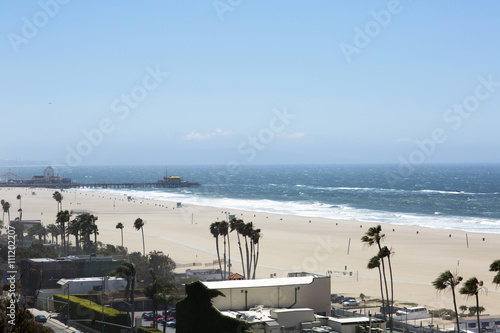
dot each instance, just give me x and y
(249, 82)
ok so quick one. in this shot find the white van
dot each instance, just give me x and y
(417, 312)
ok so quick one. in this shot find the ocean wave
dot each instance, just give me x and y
(322, 210)
(380, 189)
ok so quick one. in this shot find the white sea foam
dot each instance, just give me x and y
(318, 209)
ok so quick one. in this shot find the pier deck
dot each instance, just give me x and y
(100, 185)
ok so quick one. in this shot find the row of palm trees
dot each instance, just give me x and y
(374, 236)
(138, 225)
(251, 237)
(6, 209)
(159, 290)
(471, 288)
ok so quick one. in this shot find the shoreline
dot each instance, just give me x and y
(399, 215)
(289, 243)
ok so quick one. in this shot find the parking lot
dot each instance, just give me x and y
(147, 323)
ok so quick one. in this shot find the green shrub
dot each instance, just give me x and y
(86, 310)
(147, 330)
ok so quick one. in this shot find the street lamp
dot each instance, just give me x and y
(67, 319)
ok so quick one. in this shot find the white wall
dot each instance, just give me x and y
(315, 295)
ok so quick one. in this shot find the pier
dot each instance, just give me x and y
(100, 185)
(50, 180)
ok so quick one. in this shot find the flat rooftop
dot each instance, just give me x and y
(274, 282)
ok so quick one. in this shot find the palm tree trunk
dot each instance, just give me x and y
(122, 236)
(63, 237)
(256, 259)
(252, 246)
(229, 253)
(241, 255)
(385, 280)
(143, 244)
(132, 301)
(384, 308)
(218, 257)
(391, 304)
(248, 258)
(225, 266)
(455, 306)
(477, 313)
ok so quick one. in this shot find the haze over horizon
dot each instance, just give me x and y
(210, 82)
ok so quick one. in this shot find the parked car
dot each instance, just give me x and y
(171, 323)
(147, 315)
(351, 302)
(389, 309)
(170, 312)
(40, 319)
(337, 298)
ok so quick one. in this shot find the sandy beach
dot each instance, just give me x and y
(289, 243)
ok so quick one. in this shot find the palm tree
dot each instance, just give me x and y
(54, 231)
(375, 263)
(3, 210)
(215, 231)
(128, 271)
(6, 209)
(94, 229)
(495, 267)
(87, 228)
(247, 232)
(120, 226)
(255, 237)
(20, 210)
(38, 230)
(62, 218)
(19, 229)
(138, 225)
(449, 280)
(58, 197)
(237, 225)
(373, 236)
(472, 287)
(74, 228)
(224, 231)
(157, 291)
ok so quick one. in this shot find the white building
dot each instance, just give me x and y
(311, 292)
(84, 285)
(303, 320)
(489, 324)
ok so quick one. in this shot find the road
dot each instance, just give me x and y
(53, 323)
(59, 327)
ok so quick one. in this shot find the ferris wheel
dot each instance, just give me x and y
(48, 173)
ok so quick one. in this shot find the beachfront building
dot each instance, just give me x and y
(78, 286)
(311, 292)
(299, 304)
(489, 324)
(44, 273)
(84, 285)
(303, 320)
(204, 274)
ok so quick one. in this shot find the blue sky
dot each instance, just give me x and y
(253, 82)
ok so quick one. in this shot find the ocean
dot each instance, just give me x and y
(462, 197)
